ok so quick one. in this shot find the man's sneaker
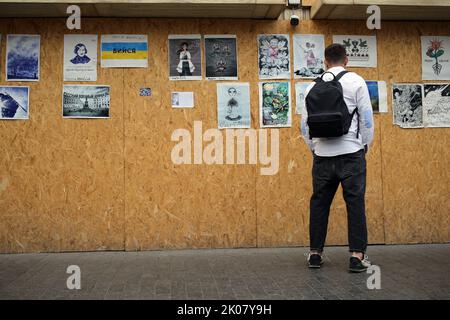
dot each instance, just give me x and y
(314, 260)
(358, 265)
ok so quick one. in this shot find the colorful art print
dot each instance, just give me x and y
(435, 58)
(407, 104)
(436, 105)
(124, 51)
(14, 102)
(145, 92)
(274, 104)
(273, 56)
(80, 57)
(378, 95)
(86, 101)
(233, 105)
(185, 57)
(309, 50)
(221, 57)
(22, 57)
(300, 89)
(361, 50)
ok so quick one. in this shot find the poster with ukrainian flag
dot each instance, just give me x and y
(124, 51)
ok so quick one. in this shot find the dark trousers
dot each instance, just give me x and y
(327, 173)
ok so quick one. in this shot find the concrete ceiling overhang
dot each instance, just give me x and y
(390, 9)
(253, 9)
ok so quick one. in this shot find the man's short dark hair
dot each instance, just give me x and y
(335, 53)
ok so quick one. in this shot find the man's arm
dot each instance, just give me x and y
(366, 124)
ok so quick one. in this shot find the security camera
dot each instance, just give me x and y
(295, 20)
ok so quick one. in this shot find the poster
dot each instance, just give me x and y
(300, 88)
(182, 99)
(361, 50)
(124, 51)
(233, 105)
(378, 95)
(22, 57)
(309, 51)
(407, 105)
(86, 101)
(80, 57)
(221, 57)
(274, 104)
(436, 105)
(273, 56)
(14, 102)
(435, 58)
(185, 57)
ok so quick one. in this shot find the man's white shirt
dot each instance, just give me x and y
(356, 94)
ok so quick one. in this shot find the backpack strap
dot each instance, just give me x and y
(341, 74)
(353, 114)
(318, 79)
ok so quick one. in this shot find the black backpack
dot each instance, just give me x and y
(328, 114)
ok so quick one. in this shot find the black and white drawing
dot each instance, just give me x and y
(22, 57)
(86, 101)
(14, 102)
(185, 57)
(80, 57)
(273, 56)
(436, 105)
(361, 50)
(221, 57)
(233, 105)
(407, 104)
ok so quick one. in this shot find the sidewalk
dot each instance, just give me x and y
(407, 272)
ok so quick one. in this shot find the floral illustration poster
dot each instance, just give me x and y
(435, 58)
(273, 56)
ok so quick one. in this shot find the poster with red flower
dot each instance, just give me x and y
(435, 58)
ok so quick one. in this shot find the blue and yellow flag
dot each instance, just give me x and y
(122, 51)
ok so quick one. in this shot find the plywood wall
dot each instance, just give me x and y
(68, 185)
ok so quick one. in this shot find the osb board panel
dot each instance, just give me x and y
(283, 200)
(110, 184)
(62, 179)
(416, 178)
(179, 206)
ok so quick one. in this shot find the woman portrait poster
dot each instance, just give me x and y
(185, 62)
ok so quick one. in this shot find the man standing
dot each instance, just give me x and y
(337, 125)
